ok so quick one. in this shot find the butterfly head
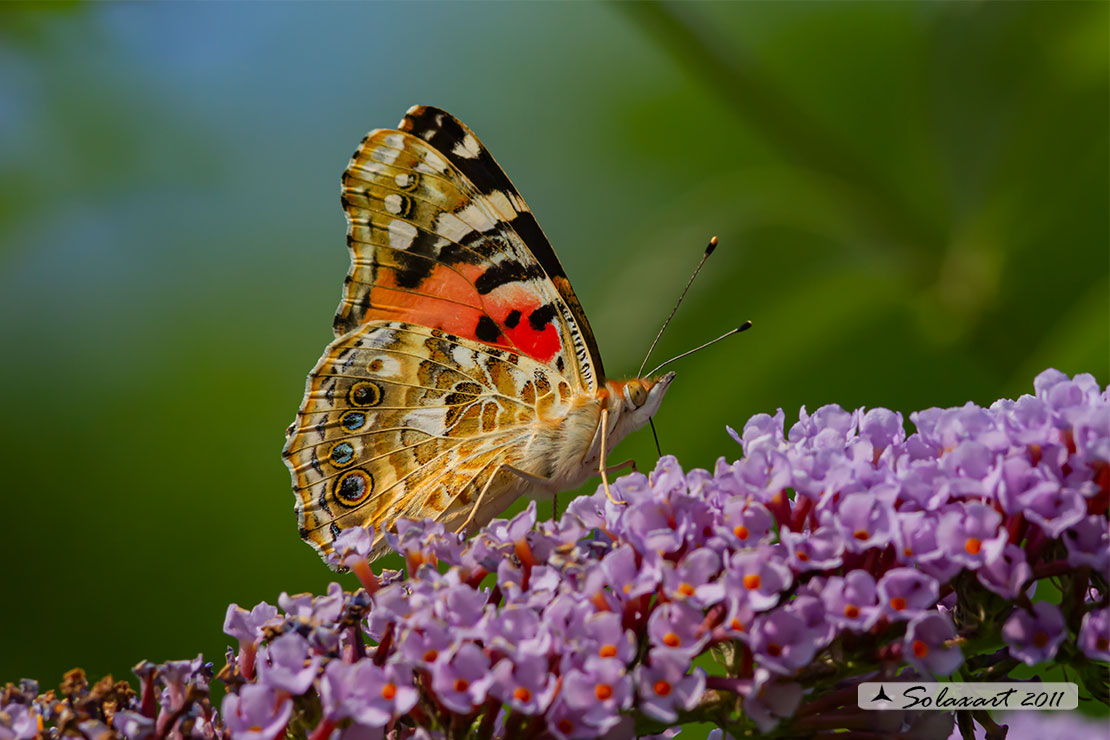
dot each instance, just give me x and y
(640, 398)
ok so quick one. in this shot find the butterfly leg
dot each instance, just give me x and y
(481, 497)
(536, 480)
(544, 484)
(601, 461)
(629, 463)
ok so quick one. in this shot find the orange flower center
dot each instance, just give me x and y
(671, 640)
(1040, 639)
(430, 656)
(752, 581)
(461, 684)
(603, 691)
(522, 694)
(686, 589)
(565, 726)
(774, 650)
(389, 690)
(861, 534)
(741, 532)
(736, 624)
(802, 557)
(897, 603)
(973, 545)
(662, 688)
(920, 649)
(607, 651)
(1103, 644)
(851, 611)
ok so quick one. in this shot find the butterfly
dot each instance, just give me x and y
(463, 373)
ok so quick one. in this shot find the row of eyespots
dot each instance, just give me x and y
(353, 487)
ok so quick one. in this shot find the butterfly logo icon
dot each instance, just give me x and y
(463, 373)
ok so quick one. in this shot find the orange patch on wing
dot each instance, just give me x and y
(448, 300)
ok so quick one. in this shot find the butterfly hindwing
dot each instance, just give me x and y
(403, 420)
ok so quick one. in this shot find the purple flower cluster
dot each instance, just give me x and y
(838, 551)
(172, 703)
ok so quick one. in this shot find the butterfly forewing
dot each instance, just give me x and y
(458, 335)
(425, 237)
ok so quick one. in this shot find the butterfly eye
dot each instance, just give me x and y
(636, 393)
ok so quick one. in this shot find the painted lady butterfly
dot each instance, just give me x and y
(464, 372)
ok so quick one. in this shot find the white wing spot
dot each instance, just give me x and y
(401, 234)
(368, 169)
(462, 356)
(381, 338)
(501, 204)
(393, 203)
(449, 226)
(468, 148)
(387, 366)
(384, 155)
(434, 161)
(397, 141)
(477, 218)
(403, 180)
(432, 421)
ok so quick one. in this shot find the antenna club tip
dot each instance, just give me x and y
(744, 327)
(712, 245)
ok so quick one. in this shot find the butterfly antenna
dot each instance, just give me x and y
(708, 251)
(658, 449)
(743, 327)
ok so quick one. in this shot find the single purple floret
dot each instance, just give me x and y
(285, 664)
(865, 520)
(1034, 638)
(351, 545)
(758, 575)
(247, 626)
(627, 579)
(598, 691)
(1008, 575)
(822, 549)
(905, 593)
(257, 712)
(694, 579)
(1056, 510)
(461, 683)
(1094, 634)
(852, 601)
(926, 646)
(971, 534)
(517, 630)
(524, 683)
(677, 627)
(602, 635)
(665, 688)
(781, 641)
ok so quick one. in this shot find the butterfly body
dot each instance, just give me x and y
(464, 373)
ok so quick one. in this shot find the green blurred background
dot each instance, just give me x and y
(911, 201)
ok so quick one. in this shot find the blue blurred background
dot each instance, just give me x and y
(911, 200)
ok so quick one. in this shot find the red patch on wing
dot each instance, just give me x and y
(501, 303)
